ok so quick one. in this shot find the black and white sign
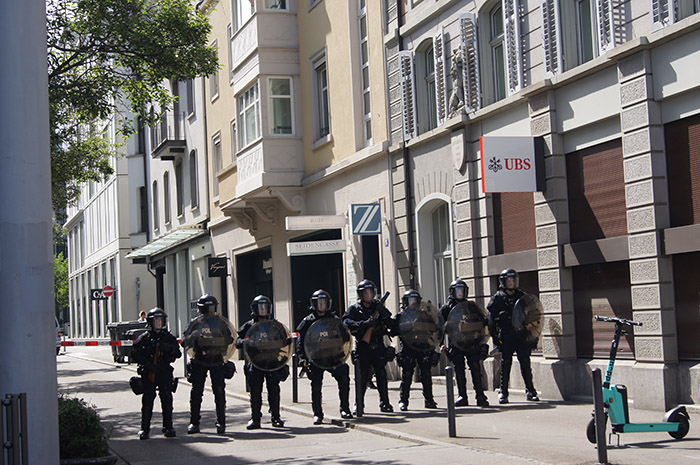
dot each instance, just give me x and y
(366, 218)
(512, 164)
(97, 294)
(217, 267)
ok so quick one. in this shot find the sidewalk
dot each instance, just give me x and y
(545, 432)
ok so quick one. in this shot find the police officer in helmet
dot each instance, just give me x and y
(459, 291)
(321, 303)
(504, 336)
(154, 351)
(207, 360)
(409, 358)
(261, 310)
(369, 321)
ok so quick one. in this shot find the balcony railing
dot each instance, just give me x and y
(168, 137)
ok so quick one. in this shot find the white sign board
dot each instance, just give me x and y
(512, 164)
(316, 247)
(310, 223)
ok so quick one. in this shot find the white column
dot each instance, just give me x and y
(27, 330)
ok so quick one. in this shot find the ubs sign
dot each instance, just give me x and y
(512, 164)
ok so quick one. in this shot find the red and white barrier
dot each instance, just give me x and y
(101, 342)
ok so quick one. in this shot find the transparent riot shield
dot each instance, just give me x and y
(527, 318)
(421, 327)
(327, 343)
(268, 345)
(210, 339)
(466, 326)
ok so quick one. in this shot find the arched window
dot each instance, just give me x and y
(435, 254)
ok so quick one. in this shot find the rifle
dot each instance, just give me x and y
(368, 334)
(152, 375)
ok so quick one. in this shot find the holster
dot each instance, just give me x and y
(390, 353)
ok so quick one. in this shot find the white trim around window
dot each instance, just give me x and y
(280, 97)
(248, 107)
(320, 97)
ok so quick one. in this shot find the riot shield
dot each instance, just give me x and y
(327, 343)
(527, 318)
(421, 327)
(210, 339)
(268, 345)
(466, 326)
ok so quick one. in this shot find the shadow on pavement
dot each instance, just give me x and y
(88, 387)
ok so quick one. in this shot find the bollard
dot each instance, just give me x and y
(452, 429)
(600, 419)
(295, 378)
(359, 397)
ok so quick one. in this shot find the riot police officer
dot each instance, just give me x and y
(154, 351)
(261, 310)
(504, 336)
(321, 303)
(369, 321)
(459, 291)
(409, 358)
(207, 359)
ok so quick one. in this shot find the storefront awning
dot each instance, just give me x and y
(170, 240)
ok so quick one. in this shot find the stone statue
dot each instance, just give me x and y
(456, 104)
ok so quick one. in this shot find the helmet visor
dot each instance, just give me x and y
(510, 282)
(459, 292)
(368, 294)
(412, 300)
(264, 309)
(158, 322)
(321, 304)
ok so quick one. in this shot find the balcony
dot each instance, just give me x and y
(168, 137)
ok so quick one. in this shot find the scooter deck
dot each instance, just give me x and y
(646, 427)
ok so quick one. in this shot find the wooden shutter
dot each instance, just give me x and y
(440, 76)
(551, 40)
(511, 22)
(470, 61)
(606, 38)
(408, 94)
(596, 187)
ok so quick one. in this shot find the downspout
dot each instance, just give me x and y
(407, 172)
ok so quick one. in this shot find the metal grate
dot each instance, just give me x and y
(13, 430)
(683, 166)
(514, 222)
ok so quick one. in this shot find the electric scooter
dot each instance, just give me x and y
(676, 421)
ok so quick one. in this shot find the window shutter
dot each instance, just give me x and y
(408, 94)
(661, 14)
(440, 76)
(470, 61)
(606, 38)
(550, 37)
(511, 21)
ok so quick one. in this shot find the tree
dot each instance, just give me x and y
(107, 58)
(60, 283)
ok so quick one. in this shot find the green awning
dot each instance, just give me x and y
(170, 240)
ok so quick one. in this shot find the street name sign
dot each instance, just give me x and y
(316, 247)
(307, 223)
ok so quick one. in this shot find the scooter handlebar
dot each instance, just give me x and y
(622, 321)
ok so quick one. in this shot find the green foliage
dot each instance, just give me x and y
(81, 434)
(60, 282)
(102, 53)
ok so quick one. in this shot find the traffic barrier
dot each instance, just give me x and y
(124, 343)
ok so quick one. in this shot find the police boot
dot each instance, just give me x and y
(169, 432)
(192, 429)
(253, 423)
(144, 434)
(220, 402)
(145, 431)
(482, 401)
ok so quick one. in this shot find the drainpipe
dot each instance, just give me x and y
(407, 172)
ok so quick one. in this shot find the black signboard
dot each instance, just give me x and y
(217, 267)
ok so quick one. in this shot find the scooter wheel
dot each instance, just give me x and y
(590, 431)
(683, 427)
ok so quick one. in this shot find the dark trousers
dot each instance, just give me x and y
(511, 345)
(341, 375)
(408, 363)
(163, 382)
(373, 355)
(474, 362)
(197, 378)
(255, 378)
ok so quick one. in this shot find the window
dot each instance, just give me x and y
(249, 116)
(242, 11)
(143, 209)
(498, 52)
(320, 93)
(276, 4)
(214, 79)
(442, 251)
(281, 106)
(194, 188)
(156, 213)
(229, 35)
(425, 64)
(584, 30)
(166, 196)
(217, 163)
(234, 138)
(189, 84)
(179, 188)
(364, 70)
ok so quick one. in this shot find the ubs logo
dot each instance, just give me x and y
(512, 164)
(495, 165)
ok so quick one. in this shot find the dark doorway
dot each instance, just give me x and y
(370, 261)
(254, 273)
(312, 272)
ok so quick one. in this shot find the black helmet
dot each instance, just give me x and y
(157, 319)
(458, 283)
(410, 297)
(205, 304)
(505, 274)
(321, 295)
(366, 284)
(261, 306)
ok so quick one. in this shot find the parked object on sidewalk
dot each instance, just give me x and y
(615, 399)
(122, 331)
